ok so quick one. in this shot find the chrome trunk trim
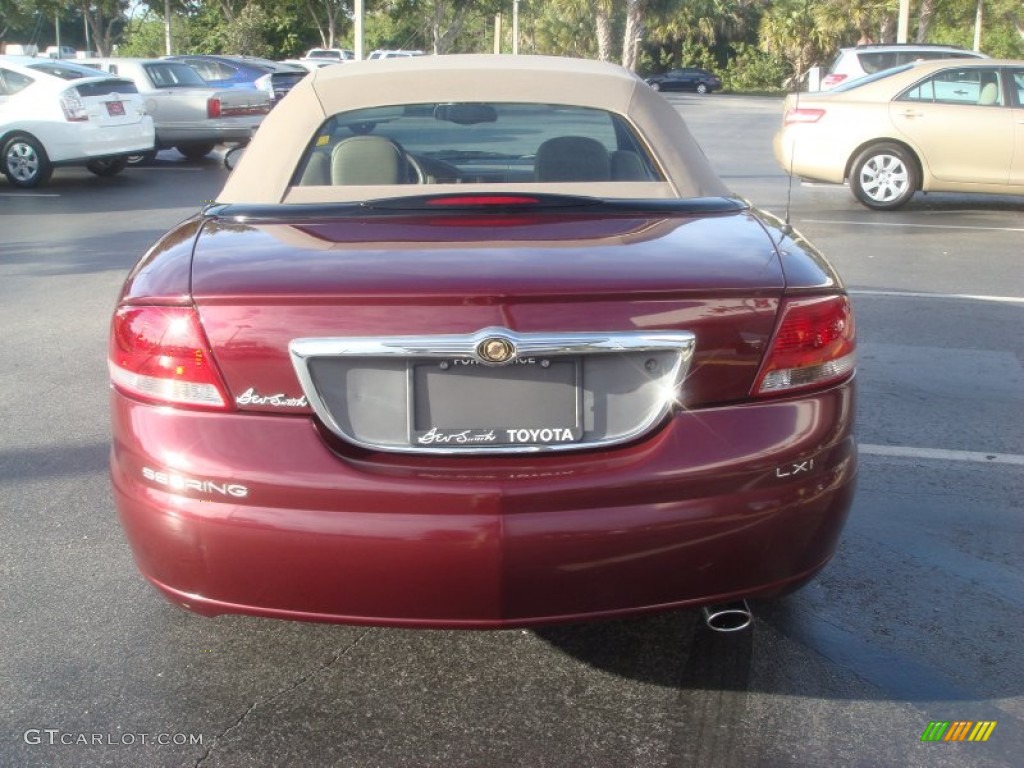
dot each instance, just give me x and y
(524, 345)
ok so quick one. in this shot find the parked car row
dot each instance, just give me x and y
(106, 112)
(188, 113)
(55, 113)
(275, 78)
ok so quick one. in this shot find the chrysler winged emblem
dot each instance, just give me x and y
(496, 350)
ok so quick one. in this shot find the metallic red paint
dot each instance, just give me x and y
(734, 501)
(729, 498)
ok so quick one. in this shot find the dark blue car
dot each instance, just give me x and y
(685, 79)
(274, 77)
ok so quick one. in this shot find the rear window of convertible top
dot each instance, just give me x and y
(466, 143)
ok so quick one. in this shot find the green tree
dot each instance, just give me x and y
(790, 31)
(247, 32)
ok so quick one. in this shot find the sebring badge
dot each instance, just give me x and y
(496, 350)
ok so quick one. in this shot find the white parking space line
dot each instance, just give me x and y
(29, 194)
(939, 454)
(955, 296)
(915, 226)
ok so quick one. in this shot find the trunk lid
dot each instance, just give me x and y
(108, 102)
(259, 285)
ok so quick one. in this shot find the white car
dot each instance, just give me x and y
(333, 55)
(385, 54)
(54, 113)
(189, 114)
(861, 60)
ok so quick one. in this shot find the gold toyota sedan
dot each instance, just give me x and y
(934, 126)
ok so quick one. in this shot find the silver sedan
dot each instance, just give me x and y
(189, 114)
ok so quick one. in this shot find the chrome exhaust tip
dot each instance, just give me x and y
(728, 617)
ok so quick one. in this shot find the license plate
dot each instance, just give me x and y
(115, 108)
(462, 404)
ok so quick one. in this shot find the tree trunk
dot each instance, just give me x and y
(332, 23)
(887, 33)
(634, 31)
(103, 36)
(603, 27)
(444, 31)
(924, 20)
(319, 26)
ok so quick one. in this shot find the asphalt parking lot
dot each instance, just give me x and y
(918, 618)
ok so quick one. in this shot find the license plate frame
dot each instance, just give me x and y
(461, 404)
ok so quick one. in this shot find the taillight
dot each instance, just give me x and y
(474, 201)
(831, 81)
(265, 83)
(802, 116)
(213, 107)
(813, 346)
(161, 354)
(73, 106)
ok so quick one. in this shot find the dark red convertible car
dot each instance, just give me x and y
(480, 341)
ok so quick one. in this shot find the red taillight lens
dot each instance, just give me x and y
(213, 107)
(472, 201)
(813, 346)
(73, 106)
(803, 116)
(831, 81)
(161, 354)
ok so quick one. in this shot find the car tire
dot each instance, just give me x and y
(195, 151)
(702, 88)
(107, 167)
(24, 161)
(655, 86)
(884, 176)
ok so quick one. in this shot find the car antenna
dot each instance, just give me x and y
(787, 227)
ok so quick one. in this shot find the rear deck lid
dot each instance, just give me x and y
(632, 301)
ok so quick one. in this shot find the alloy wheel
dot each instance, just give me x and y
(22, 161)
(884, 178)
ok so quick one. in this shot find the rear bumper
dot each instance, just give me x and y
(213, 131)
(809, 156)
(244, 513)
(88, 141)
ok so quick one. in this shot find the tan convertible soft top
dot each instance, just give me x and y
(265, 171)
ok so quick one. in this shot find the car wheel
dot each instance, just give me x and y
(107, 166)
(884, 177)
(24, 161)
(701, 88)
(655, 86)
(195, 151)
(143, 158)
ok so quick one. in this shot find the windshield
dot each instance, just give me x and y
(461, 143)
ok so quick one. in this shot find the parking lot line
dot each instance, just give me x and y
(178, 168)
(908, 224)
(921, 295)
(940, 454)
